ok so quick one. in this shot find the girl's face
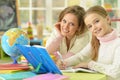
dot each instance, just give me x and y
(69, 25)
(97, 24)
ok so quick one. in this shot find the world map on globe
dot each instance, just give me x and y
(11, 38)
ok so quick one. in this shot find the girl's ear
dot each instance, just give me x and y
(108, 20)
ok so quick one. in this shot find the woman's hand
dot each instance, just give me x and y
(58, 29)
(82, 64)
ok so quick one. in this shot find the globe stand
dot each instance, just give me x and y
(14, 59)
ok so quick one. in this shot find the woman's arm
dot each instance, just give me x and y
(53, 43)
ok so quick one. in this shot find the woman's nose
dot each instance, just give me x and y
(66, 25)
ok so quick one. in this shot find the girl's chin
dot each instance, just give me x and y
(99, 35)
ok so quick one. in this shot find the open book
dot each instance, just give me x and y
(78, 70)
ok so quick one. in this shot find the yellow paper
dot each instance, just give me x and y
(7, 71)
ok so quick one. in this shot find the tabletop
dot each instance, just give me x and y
(85, 76)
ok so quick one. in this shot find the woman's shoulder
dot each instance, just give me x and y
(83, 38)
(86, 34)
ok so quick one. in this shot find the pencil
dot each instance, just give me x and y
(60, 56)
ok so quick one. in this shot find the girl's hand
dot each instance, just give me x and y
(82, 64)
(61, 64)
(58, 29)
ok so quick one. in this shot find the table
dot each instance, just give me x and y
(72, 76)
(86, 76)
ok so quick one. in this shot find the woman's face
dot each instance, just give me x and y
(97, 24)
(69, 25)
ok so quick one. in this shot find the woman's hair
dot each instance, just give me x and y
(95, 42)
(79, 13)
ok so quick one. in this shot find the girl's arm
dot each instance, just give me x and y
(83, 55)
(112, 69)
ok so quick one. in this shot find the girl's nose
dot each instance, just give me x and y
(93, 28)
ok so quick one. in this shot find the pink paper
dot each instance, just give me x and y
(48, 76)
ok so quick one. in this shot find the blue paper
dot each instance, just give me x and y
(17, 75)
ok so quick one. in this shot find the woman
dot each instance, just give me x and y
(70, 35)
(103, 53)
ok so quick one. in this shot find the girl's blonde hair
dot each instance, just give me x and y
(95, 42)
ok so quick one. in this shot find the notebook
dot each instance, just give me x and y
(39, 58)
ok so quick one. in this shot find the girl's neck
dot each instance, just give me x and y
(110, 36)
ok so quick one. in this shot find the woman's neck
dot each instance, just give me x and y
(68, 42)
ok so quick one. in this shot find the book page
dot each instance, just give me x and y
(70, 69)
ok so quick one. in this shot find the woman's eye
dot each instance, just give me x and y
(71, 24)
(64, 21)
(89, 26)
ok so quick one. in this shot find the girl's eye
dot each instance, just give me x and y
(96, 21)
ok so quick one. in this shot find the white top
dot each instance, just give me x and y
(78, 42)
(108, 59)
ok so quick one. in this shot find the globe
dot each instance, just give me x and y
(11, 38)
